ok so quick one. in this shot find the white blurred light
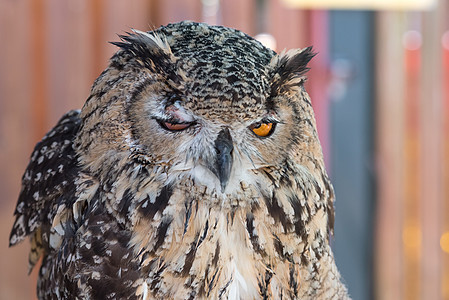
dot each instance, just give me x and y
(267, 40)
(412, 40)
(363, 4)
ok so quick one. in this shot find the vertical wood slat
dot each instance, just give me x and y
(389, 145)
(286, 25)
(170, 11)
(318, 37)
(39, 79)
(431, 156)
(295, 28)
(123, 16)
(61, 58)
(39, 68)
(411, 225)
(16, 135)
(239, 14)
(444, 282)
(97, 10)
(71, 70)
(444, 239)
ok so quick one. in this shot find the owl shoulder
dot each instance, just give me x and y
(49, 179)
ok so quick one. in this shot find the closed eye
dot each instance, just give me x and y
(173, 126)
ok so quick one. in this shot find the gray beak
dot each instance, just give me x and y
(223, 162)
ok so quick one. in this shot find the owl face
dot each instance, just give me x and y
(216, 152)
(209, 104)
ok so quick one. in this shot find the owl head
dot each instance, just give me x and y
(209, 104)
(203, 144)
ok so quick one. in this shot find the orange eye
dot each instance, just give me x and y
(175, 126)
(262, 129)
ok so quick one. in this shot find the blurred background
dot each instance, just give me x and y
(380, 89)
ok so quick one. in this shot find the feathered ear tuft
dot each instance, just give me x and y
(290, 69)
(150, 50)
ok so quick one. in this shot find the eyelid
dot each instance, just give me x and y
(267, 120)
(174, 125)
(270, 120)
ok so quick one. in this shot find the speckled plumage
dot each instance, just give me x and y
(120, 206)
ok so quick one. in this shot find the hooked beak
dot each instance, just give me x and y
(223, 162)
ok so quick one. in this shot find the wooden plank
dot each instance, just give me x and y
(39, 79)
(123, 16)
(70, 66)
(239, 14)
(389, 145)
(39, 68)
(169, 11)
(411, 227)
(61, 59)
(16, 139)
(286, 25)
(97, 10)
(431, 156)
(444, 239)
(319, 77)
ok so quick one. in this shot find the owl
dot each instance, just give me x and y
(193, 171)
